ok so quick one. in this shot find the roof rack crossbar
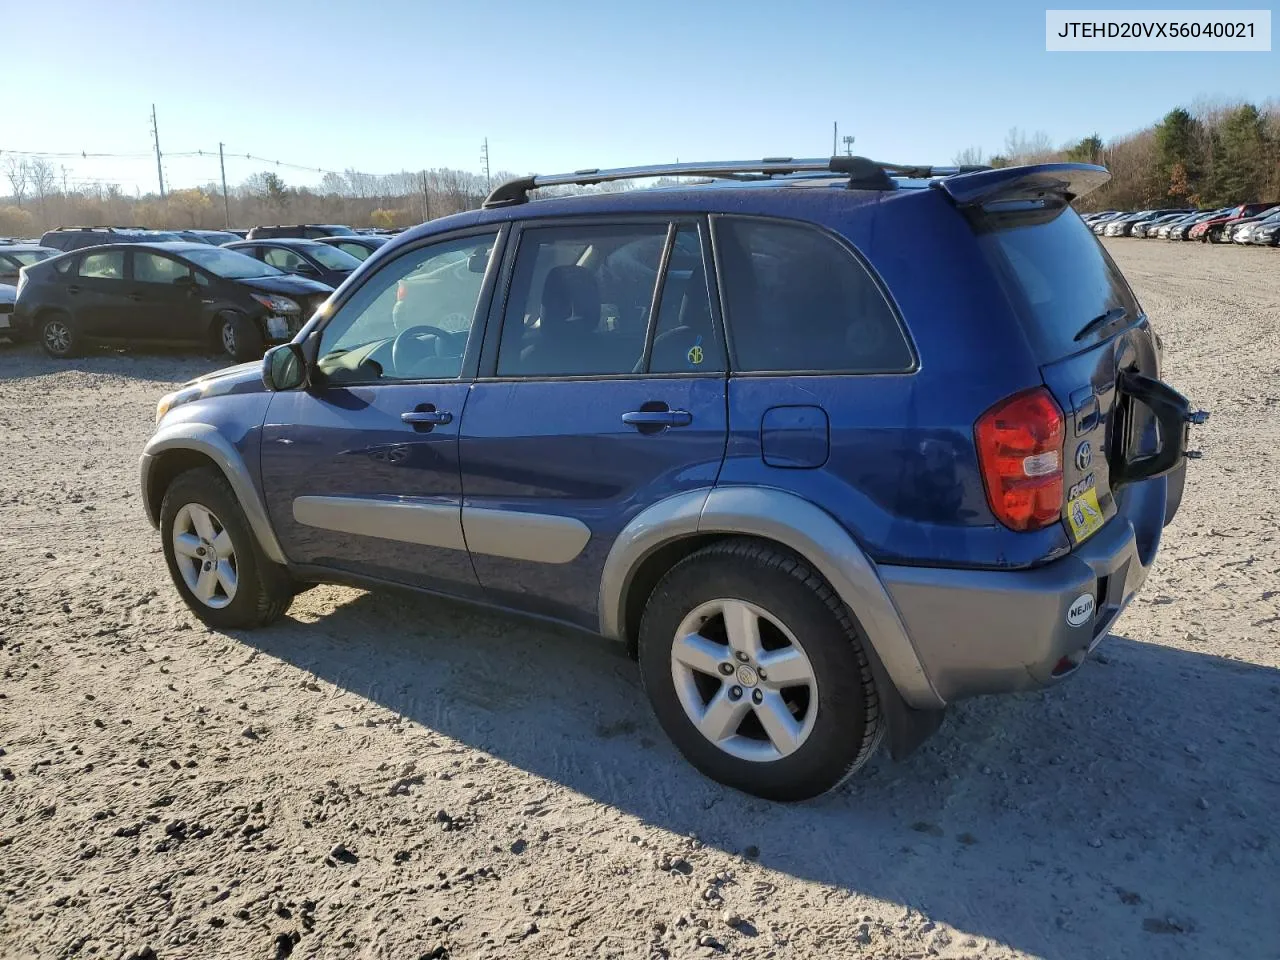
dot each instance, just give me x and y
(863, 173)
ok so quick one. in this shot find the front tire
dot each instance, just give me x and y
(757, 672)
(58, 335)
(213, 556)
(238, 337)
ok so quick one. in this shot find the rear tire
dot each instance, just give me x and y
(821, 703)
(230, 585)
(58, 335)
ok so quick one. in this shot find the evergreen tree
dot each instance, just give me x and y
(1177, 149)
(1240, 170)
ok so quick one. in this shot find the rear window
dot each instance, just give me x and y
(1057, 274)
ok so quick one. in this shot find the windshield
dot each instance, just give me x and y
(230, 265)
(331, 257)
(337, 231)
(161, 236)
(1058, 275)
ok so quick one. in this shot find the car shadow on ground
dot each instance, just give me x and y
(25, 361)
(1125, 813)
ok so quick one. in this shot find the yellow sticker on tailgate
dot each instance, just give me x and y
(1084, 515)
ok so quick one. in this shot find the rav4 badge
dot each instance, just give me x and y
(1081, 610)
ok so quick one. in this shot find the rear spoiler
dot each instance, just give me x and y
(1067, 180)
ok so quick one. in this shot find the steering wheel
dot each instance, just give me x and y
(407, 348)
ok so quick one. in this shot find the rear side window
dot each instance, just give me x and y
(797, 300)
(1057, 274)
(108, 265)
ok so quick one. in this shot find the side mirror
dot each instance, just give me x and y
(305, 269)
(284, 368)
(478, 262)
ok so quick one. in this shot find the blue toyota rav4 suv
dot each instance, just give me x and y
(828, 444)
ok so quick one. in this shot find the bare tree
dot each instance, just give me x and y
(15, 168)
(43, 179)
(968, 157)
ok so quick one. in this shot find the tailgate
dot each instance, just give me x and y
(1096, 351)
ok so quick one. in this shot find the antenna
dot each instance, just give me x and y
(484, 156)
(848, 145)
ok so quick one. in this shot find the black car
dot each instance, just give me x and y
(300, 231)
(214, 238)
(359, 246)
(77, 238)
(15, 256)
(306, 258)
(163, 292)
(8, 295)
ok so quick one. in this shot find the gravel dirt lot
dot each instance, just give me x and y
(384, 775)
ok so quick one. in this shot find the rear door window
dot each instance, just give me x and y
(798, 301)
(1057, 274)
(108, 265)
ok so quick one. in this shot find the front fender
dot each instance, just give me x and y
(206, 439)
(795, 523)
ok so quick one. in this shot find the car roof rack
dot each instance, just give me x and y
(863, 174)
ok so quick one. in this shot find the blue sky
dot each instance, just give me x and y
(390, 85)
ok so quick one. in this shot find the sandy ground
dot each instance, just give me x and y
(383, 775)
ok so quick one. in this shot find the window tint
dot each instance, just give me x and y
(28, 257)
(153, 268)
(108, 265)
(685, 338)
(796, 299)
(354, 249)
(411, 320)
(282, 257)
(580, 300)
(1058, 274)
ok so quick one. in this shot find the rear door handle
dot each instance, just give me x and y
(73, 289)
(435, 418)
(135, 296)
(658, 418)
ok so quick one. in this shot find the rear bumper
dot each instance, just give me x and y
(982, 631)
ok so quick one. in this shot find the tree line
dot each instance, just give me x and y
(1208, 156)
(1211, 155)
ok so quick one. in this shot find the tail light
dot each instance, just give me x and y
(1020, 444)
(401, 291)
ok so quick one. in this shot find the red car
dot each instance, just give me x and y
(1210, 230)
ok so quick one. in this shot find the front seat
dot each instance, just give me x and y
(567, 340)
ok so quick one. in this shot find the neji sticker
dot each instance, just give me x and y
(1085, 515)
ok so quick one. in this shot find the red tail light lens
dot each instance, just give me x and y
(401, 290)
(1019, 444)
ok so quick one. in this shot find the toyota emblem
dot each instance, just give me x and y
(1084, 455)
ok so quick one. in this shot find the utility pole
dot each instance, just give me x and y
(848, 145)
(484, 155)
(155, 132)
(226, 204)
(426, 198)
(834, 126)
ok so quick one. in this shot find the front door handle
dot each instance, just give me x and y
(74, 288)
(432, 417)
(658, 418)
(135, 296)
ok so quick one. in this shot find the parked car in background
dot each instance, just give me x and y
(821, 487)
(77, 238)
(1239, 231)
(1181, 228)
(15, 256)
(1100, 221)
(1146, 228)
(179, 292)
(306, 258)
(215, 238)
(1211, 230)
(8, 294)
(1123, 226)
(1266, 233)
(359, 246)
(300, 231)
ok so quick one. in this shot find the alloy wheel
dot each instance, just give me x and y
(205, 556)
(229, 337)
(57, 336)
(744, 680)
